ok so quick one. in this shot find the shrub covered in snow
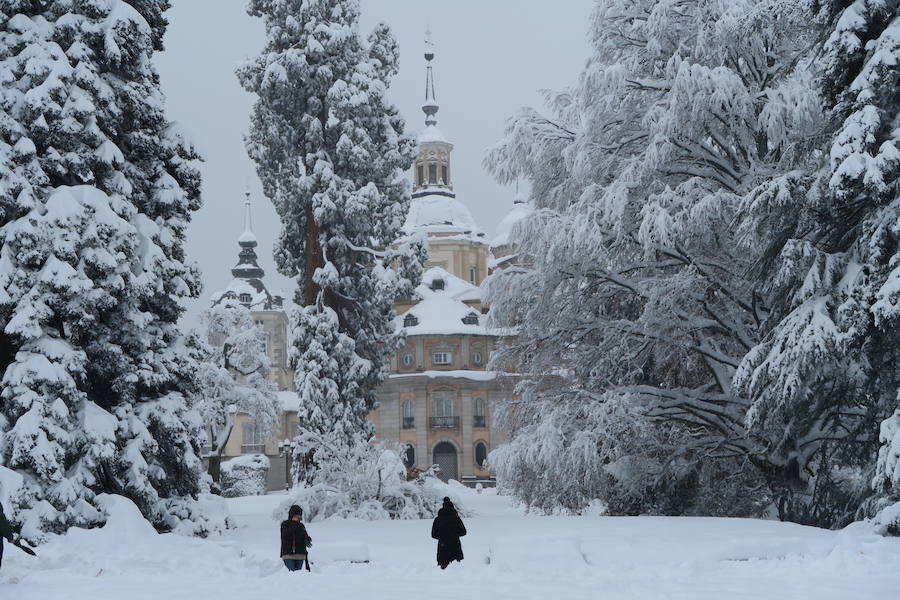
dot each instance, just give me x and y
(361, 480)
(245, 476)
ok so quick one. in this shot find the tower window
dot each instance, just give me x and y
(442, 358)
(445, 175)
(432, 172)
(420, 174)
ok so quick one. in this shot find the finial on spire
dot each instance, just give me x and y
(247, 236)
(430, 108)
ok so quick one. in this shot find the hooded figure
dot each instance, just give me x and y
(294, 540)
(447, 529)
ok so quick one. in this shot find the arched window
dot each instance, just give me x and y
(437, 284)
(432, 172)
(479, 418)
(420, 175)
(445, 175)
(476, 357)
(409, 455)
(409, 414)
(481, 452)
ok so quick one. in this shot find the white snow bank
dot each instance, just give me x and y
(531, 557)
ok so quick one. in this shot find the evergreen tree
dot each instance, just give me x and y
(97, 192)
(331, 152)
(825, 375)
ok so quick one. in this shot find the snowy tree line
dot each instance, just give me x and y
(708, 325)
(97, 191)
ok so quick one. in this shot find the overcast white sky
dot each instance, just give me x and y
(493, 56)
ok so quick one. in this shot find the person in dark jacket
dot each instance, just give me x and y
(447, 529)
(6, 531)
(294, 540)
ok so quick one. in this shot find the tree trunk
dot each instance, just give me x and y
(313, 259)
(215, 467)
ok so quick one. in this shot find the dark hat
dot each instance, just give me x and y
(447, 502)
(294, 510)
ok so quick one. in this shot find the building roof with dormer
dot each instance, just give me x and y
(248, 287)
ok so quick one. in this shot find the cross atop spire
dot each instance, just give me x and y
(430, 108)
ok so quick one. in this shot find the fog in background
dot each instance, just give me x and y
(493, 56)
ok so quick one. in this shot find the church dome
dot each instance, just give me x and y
(439, 213)
(519, 211)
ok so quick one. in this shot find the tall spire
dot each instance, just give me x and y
(247, 237)
(430, 108)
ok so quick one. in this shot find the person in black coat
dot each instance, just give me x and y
(447, 529)
(294, 540)
(6, 531)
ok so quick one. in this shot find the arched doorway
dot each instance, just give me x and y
(445, 458)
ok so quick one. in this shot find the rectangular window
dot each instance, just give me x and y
(442, 358)
(473, 273)
(432, 173)
(251, 438)
(444, 176)
(420, 174)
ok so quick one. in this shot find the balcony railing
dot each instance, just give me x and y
(445, 422)
(478, 421)
(409, 422)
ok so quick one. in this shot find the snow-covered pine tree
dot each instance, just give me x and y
(825, 373)
(97, 191)
(235, 372)
(331, 152)
(639, 292)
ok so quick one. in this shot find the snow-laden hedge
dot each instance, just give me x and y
(362, 480)
(245, 476)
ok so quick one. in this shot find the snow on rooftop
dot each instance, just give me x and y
(519, 211)
(432, 134)
(290, 401)
(258, 297)
(442, 311)
(247, 237)
(456, 288)
(439, 213)
(457, 373)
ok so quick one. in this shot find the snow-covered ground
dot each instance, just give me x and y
(508, 555)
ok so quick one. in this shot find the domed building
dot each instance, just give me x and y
(440, 397)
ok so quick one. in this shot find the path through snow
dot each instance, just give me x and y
(509, 555)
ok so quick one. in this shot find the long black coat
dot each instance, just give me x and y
(447, 529)
(294, 538)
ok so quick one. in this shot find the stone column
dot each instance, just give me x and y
(423, 452)
(465, 419)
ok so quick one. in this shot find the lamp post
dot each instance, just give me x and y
(286, 449)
